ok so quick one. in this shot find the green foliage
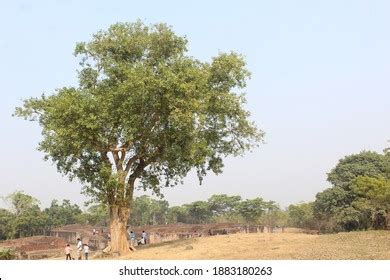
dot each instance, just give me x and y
(148, 211)
(329, 209)
(281, 219)
(330, 201)
(21, 203)
(273, 216)
(348, 219)
(301, 215)
(198, 212)
(218, 208)
(145, 211)
(143, 110)
(27, 218)
(177, 214)
(30, 223)
(63, 214)
(5, 220)
(96, 215)
(366, 163)
(376, 191)
(252, 209)
(222, 204)
(373, 199)
(7, 254)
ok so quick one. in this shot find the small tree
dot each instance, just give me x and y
(143, 111)
(271, 215)
(27, 218)
(21, 203)
(301, 215)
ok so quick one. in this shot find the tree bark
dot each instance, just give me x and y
(118, 229)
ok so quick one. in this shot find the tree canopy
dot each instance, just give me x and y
(365, 163)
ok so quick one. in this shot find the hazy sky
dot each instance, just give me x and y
(320, 85)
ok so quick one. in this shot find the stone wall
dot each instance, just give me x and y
(27, 247)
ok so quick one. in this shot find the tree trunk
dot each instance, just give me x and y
(118, 229)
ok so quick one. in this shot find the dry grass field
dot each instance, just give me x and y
(285, 246)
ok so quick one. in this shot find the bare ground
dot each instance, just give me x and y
(286, 246)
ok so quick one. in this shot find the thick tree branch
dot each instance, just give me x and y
(109, 191)
(131, 161)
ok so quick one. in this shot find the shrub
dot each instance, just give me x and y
(7, 254)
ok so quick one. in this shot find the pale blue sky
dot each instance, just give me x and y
(320, 85)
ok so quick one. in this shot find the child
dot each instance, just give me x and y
(68, 251)
(86, 251)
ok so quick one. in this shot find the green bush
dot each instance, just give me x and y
(7, 254)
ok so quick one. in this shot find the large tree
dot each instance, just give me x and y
(143, 111)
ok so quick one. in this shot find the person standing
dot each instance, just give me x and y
(86, 251)
(68, 251)
(132, 238)
(144, 237)
(79, 248)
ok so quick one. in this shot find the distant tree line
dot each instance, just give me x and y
(25, 217)
(218, 208)
(358, 199)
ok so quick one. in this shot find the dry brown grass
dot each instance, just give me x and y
(286, 246)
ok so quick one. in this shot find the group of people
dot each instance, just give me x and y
(81, 248)
(134, 241)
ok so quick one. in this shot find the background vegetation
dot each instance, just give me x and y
(359, 199)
